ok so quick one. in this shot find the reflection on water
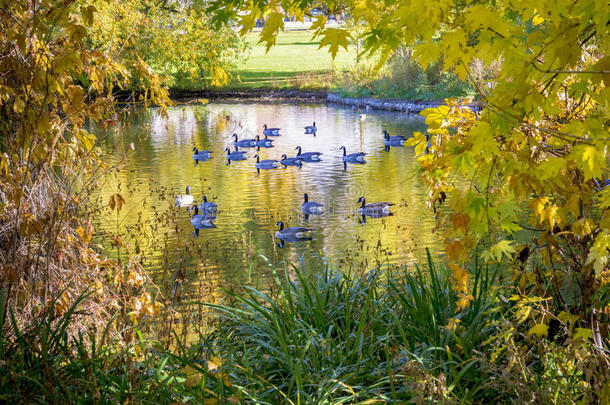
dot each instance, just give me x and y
(159, 165)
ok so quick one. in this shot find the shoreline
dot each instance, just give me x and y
(303, 96)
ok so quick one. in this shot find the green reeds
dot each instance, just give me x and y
(337, 338)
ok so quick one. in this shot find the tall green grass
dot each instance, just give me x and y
(340, 338)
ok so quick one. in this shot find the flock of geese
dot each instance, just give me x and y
(205, 213)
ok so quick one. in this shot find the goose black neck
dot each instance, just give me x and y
(299, 151)
(344, 151)
(281, 225)
(363, 202)
(306, 197)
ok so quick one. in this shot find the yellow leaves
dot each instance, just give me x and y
(248, 20)
(537, 19)
(540, 330)
(483, 142)
(18, 105)
(333, 38)
(590, 159)
(460, 221)
(67, 62)
(545, 211)
(144, 305)
(86, 139)
(464, 300)
(419, 141)
(452, 324)
(435, 117)
(273, 24)
(116, 200)
(599, 253)
(426, 53)
(583, 227)
(318, 25)
(85, 234)
(4, 163)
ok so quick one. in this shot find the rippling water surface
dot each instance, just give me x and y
(155, 159)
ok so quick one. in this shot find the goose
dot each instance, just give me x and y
(290, 161)
(265, 164)
(201, 154)
(311, 207)
(235, 155)
(201, 221)
(270, 131)
(357, 157)
(207, 206)
(373, 209)
(311, 129)
(185, 200)
(292, 232)
(394, 140)
(244, 143)
(308, 156)
(263, 143)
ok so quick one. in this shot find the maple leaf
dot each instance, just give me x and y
(333, 37)
(274, 23)
(426, 53)
(591, 158)
(496, 251)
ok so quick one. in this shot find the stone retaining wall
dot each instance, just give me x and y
(409, 107)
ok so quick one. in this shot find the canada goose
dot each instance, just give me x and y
(270, 131)
(244, 143)
(311, 207)
(201, 154)
(308, 156)
(265, 164)
(235, 155)
(201, 221)
(292, 232)
(357, 157)
(290, 161)
(394, 140)
(264, 143)
(185, 200)
(207, 206)
(373, 208)
(311, 129)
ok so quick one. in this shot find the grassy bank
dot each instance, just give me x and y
(295, 62)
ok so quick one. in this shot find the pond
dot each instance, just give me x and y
(154, 159)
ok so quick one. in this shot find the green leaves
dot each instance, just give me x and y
(498, 250)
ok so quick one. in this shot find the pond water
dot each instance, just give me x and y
(154, 156)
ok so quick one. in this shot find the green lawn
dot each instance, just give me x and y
(295, 61)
